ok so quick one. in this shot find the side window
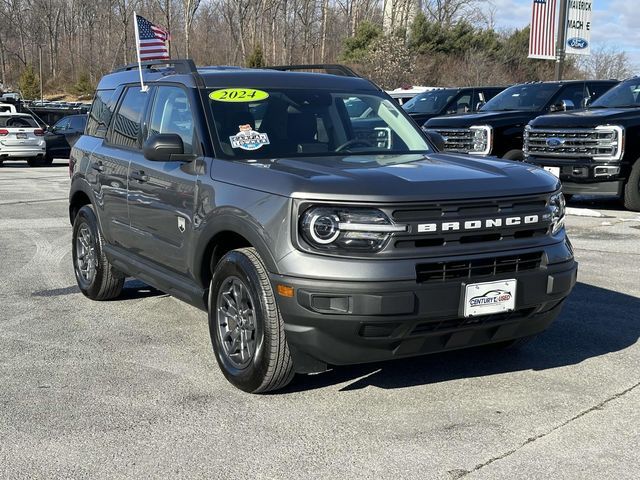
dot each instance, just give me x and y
(575, 94)
(62, 124)
(461, 105)
(78, 123)
(171, 113)
(100, 115)
(126, 125)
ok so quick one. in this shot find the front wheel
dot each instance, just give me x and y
(246, 328)
(516, 155)
(632, 189)
(95, 275)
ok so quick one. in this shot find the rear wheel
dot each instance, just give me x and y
(95, 275)
(632, 189)
(246, 328)
(34, 161)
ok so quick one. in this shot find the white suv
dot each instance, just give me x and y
(21, 138)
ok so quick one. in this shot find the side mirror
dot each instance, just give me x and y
(480, 105)
(162, 147)
(435, 138)
(563, 106)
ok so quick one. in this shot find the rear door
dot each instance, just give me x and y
(162, 194)
(110, 165)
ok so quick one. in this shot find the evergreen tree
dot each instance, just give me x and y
(83, 87)
(357, 48)
(256, 58)
(29, 84)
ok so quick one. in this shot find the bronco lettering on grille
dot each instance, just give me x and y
(488, 223)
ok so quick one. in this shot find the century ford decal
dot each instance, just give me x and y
(486, 223)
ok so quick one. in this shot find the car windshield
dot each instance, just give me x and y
(276, 123)
(530, 97)
(17, 121)
(430, 102)
(626, 94)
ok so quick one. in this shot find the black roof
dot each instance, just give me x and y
(185, 73)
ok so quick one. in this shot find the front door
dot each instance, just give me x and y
(162, 194)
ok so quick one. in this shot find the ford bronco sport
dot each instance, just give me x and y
(310, 239)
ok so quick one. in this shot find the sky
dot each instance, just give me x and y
(614, 23)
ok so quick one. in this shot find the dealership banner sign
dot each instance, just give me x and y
(578, 36)
(542, 39)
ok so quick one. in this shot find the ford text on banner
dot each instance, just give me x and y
(542, 40)
(578, 37)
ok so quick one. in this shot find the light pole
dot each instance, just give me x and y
(562, 40)
(40, 55)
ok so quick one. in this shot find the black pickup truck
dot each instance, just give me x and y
(498, 128)
(309, 237)
(594, 151)
(448, 101)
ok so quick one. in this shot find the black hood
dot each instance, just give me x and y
(421, 118)
(387, 178)
(495, 119)
(588, 118)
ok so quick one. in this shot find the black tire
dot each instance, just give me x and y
(106, 282)
(35, 161)
(632, 189)
(516, 155)
(1, 163)
(269, 367)
(48, 161)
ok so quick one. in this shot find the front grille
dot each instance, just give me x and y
(576, 143)
(460, 323)
(457, 139)
(477, 268)
(461, 211)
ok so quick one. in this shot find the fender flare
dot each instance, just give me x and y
(234, 223)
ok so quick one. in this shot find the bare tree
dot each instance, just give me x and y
(606, 62)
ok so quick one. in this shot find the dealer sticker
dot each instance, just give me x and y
(238, 95)
(490, 297)
(248, 139)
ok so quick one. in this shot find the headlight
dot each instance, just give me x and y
(482, 140)
(354, 229)
(558, 208)
(610, 143)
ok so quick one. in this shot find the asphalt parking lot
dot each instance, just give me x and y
(130, 388)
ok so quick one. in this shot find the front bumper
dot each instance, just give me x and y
(339, 323)
(586, 177)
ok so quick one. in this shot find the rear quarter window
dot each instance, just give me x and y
(100, 115)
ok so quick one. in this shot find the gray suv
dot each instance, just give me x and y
(310, 237)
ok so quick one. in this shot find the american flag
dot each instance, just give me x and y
(542, 39)
(152, 40)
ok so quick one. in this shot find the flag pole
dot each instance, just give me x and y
(143, 87)
(562, 40)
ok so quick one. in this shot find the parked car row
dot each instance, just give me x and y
(584, 132)
(22, 138)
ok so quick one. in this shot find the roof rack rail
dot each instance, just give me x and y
(331, 68)
(180, 65)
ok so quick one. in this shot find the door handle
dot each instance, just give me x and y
(98, 167)
(139, 176)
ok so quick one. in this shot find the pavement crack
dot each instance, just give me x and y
(27, 202)
(530, 440)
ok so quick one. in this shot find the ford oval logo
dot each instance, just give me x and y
(554, 142)
(578, 43)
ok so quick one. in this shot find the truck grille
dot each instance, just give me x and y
(573, 143)
(477, 268)
(457, 139)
